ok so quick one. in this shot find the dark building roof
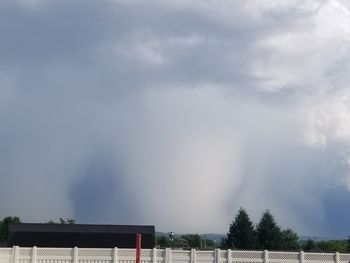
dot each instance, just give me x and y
(78, 228)
(80, 235)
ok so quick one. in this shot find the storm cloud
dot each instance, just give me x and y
(176, 112)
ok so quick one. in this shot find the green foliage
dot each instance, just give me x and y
(62, 221)
(185, 241)
(309, 245)
(163, 241)
(325, 246)
(332, 246)
(223, 243)
(241, 233)
(4, 226)
(193, 240)
(180, 242)
(289, 240)
(209, 244)
(268, 233)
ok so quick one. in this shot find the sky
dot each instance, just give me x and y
(176, 113)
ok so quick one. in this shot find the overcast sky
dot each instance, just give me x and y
(176, 112)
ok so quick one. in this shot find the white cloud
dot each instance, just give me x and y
(303, 56)
(329, 118)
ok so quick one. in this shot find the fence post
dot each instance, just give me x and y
(167, 255)
(302, 257)
(34, 254)
(154, 255)
(193, 255)
(75, 255)
(115, 255)
(15, 253)
(336, 256)
(266, 256)
(229, 256)
(217, 255)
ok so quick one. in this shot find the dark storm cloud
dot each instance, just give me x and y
(336, 200)
(144, 112)
(99, 194)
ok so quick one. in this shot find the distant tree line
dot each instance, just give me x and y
(186, 241)
(62, 221)
(326, 246)
(243, 234)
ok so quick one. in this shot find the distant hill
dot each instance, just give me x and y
(214, 237)
(211, 236)
(322, 238)
(218, 237)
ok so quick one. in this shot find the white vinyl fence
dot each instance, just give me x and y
(96, 255)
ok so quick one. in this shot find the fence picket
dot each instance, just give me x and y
(116, 255)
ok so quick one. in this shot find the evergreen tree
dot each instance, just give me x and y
(241, 234)
(268, 233)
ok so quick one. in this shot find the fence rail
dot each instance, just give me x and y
(115, 255)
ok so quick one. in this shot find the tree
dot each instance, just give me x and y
(241, 232)
(268, 233)
(163, 241)
(4, 226)
(69, 221)
(310, 245)
(209, 244)
(193, 240)
(224, 243)
(332, 246)
(289, 240)
(180, 242)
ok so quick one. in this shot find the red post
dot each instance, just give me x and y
(138, 248)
